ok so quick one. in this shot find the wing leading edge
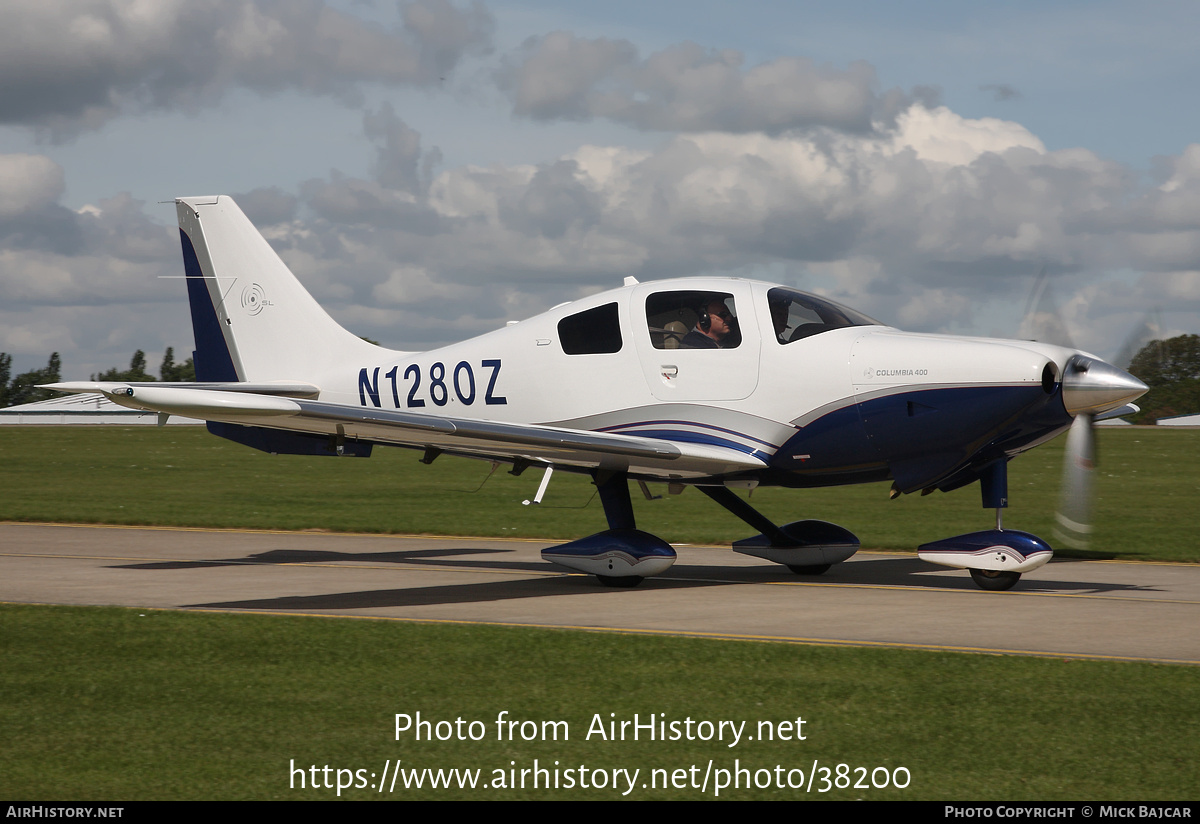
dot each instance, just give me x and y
(561, 446)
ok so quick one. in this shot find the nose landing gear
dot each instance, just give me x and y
(996, 557)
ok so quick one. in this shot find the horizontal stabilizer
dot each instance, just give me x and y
(286, 389)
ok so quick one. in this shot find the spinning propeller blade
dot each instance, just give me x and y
(1074, 524)
(1043, 320)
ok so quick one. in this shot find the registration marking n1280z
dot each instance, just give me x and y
(442, 381)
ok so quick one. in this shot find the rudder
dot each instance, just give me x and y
(252, 319)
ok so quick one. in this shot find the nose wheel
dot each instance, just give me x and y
(994, 580)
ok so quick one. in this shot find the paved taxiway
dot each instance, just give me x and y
(1068, 608)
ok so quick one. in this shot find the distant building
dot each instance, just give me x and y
(83, 409)
(1180, 420)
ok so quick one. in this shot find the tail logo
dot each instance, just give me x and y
(254, 299)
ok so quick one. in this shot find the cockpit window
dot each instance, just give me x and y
(692, 320)
(796, 315)
(591, 332)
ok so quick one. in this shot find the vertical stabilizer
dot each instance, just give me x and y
(252, 319)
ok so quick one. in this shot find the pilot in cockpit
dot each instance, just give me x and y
(713, 327)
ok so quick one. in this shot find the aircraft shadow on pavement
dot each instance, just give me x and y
(439, 557)
(898, 572)
(893, 572)
(479, 592)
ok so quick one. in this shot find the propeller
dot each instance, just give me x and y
(1073, 521)
(1150, 330)
(1092, 390)
(1043, 321)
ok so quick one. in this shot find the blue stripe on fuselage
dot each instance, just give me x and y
(628, 426)
(683, 436)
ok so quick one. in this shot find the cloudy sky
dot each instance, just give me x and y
(431, 169)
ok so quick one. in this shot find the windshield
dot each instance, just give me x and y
(797, 315)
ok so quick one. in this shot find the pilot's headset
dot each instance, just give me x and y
(705, 322)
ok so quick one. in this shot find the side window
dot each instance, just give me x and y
(692, 320)
(798, 315)
(592, 332)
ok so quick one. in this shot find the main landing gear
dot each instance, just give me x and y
(623, 555)
(996, 557)
(804, 547)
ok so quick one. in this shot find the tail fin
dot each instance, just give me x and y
(252, 319)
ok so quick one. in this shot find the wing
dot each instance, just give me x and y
(558, 446)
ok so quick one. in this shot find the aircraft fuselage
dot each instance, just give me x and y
(834, 405)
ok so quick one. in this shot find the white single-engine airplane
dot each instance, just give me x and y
(718, 383)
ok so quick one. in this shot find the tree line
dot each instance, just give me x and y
(1171, 368)
(24, 387)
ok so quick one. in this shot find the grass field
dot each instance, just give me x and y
(118, 704)
(127, 704)
(1147, 488)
